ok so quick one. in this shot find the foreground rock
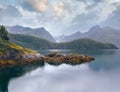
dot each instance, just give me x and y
(57, 58)
(12, 55)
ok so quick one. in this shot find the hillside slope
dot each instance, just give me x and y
(31, 41)
(85, 44)
(37, 32)
(12, 54)
(37, 43)
(105, 35)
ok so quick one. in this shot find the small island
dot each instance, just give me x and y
(12, 54)
(57, 58)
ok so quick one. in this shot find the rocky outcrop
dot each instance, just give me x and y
(57, 58)
(11, 55)
(54, 58)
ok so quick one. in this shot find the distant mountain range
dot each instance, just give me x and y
(97, 33)
(37, 32)
(38, 43)
(105, 34)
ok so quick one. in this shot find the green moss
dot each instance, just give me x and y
(30, 51)
(8, 46)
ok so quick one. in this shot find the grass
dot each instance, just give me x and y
(8, 45)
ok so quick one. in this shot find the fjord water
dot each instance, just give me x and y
(101, 75)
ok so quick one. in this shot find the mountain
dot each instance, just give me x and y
(38, 43)
(85, 44)
(68, 38)
(105, 35)
(37, 32)
(31, 41)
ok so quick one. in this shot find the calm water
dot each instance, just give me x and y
(101, 75)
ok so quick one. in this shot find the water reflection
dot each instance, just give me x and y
(66, 78)
(6, 74)
(88, 52)
(101, 75)
(107, 60)
(104, 59)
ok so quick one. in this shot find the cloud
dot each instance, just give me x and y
(58, 8)
(114, 19)
(59, 16)
(84, 21)
(9, 14)
(95, 12)
(38, 5)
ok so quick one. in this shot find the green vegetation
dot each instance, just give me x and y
(3, 34)
(85, 44)
(12, 54)
(8, 48)
(31, 42)
(97, 33)
(6, 45)
(37, 43)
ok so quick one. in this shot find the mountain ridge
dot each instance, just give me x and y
(105, 35)
(40, 44)
(37, 32)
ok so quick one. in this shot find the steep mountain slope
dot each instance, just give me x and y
(31, 41)
(106, 35)
(37, 32)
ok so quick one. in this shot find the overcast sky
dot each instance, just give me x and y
(60, 16)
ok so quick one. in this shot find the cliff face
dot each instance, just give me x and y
(12, 54)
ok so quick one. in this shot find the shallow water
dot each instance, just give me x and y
(101, 75)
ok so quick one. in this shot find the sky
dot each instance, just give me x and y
(60, 16)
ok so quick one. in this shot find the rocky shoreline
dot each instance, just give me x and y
(57, 58)
(54, 58)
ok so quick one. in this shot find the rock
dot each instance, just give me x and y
(73, 59)
(12, 54)
(54, 54)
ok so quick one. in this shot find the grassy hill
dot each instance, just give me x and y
(85, 44)
(37, 43)
(31, 41)
(12, 54)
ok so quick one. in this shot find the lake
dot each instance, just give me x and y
(100, 75)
